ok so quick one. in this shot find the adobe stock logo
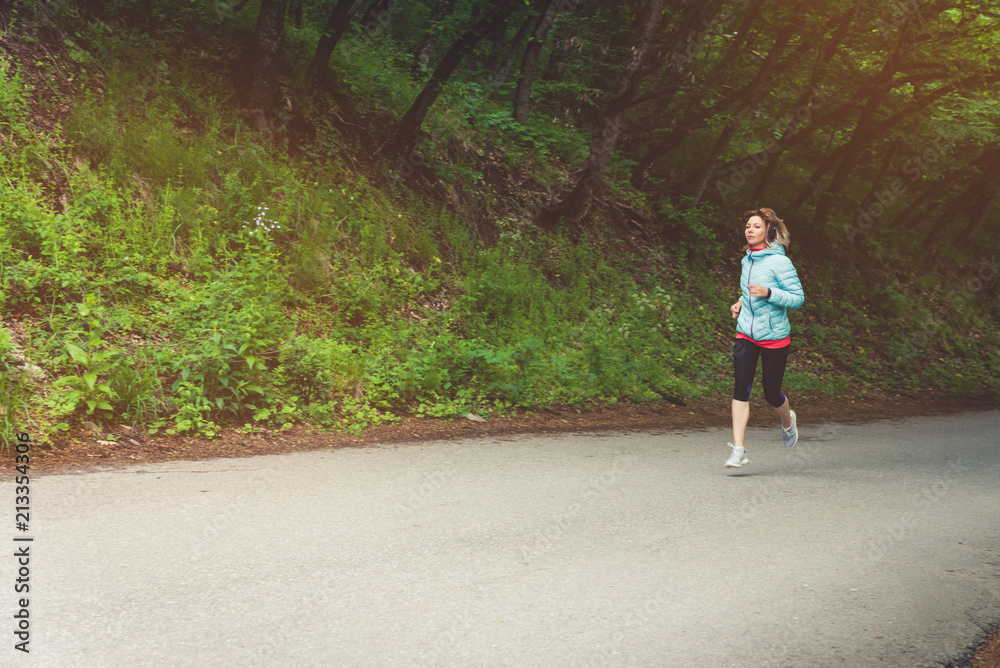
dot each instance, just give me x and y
(873, 209)
(786, 128)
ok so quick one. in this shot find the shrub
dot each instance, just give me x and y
(317, 369)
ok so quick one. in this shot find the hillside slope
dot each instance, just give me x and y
(168, 269)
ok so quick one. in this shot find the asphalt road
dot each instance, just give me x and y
(874, 545)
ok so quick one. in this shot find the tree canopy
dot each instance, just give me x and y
(843, 112)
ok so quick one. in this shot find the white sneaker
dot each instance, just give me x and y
(738, 458)
(790, 436)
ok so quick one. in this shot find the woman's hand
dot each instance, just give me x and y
(758, 291)
(735, 308)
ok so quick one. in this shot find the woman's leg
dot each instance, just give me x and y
(773, 362)
(741, 415)
(784, 412)
(745, 355)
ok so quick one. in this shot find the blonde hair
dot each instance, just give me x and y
(771, 220)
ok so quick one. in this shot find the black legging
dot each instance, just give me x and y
(773, 360)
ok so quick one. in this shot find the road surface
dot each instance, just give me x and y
(864, 545)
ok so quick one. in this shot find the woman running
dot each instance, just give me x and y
(769, 285)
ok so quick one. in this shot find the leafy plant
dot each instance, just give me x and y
(193, 411)
(136, 388)
(358, 415)
(11, 391)
(87, 388)
(235, 325)
(315, 369)
(11, 403)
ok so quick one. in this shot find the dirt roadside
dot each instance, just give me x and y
(113, 445)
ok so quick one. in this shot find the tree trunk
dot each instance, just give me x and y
(555, 69)
(515, 48)
(295, 11)
(257, 85)
(336, 26)
(609, 129)
(989, 201)
(755, 93)
(890, 157)
(670, 82)
(825, 165)
(374, 12)
(693, 114)
(863, 131)
(378, 15)
(422, 58)
(522, 97)
(496, 39)
(766, 179)
(406, 136)
(987, 191)
(840, 114)
(97, 8)
(829, 50)
(855, 145)
(907, 218)
(976, 201)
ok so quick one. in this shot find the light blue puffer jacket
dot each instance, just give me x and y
(765, 319)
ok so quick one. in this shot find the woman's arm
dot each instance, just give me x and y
(789, 293)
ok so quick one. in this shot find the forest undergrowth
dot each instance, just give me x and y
(167, 268)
